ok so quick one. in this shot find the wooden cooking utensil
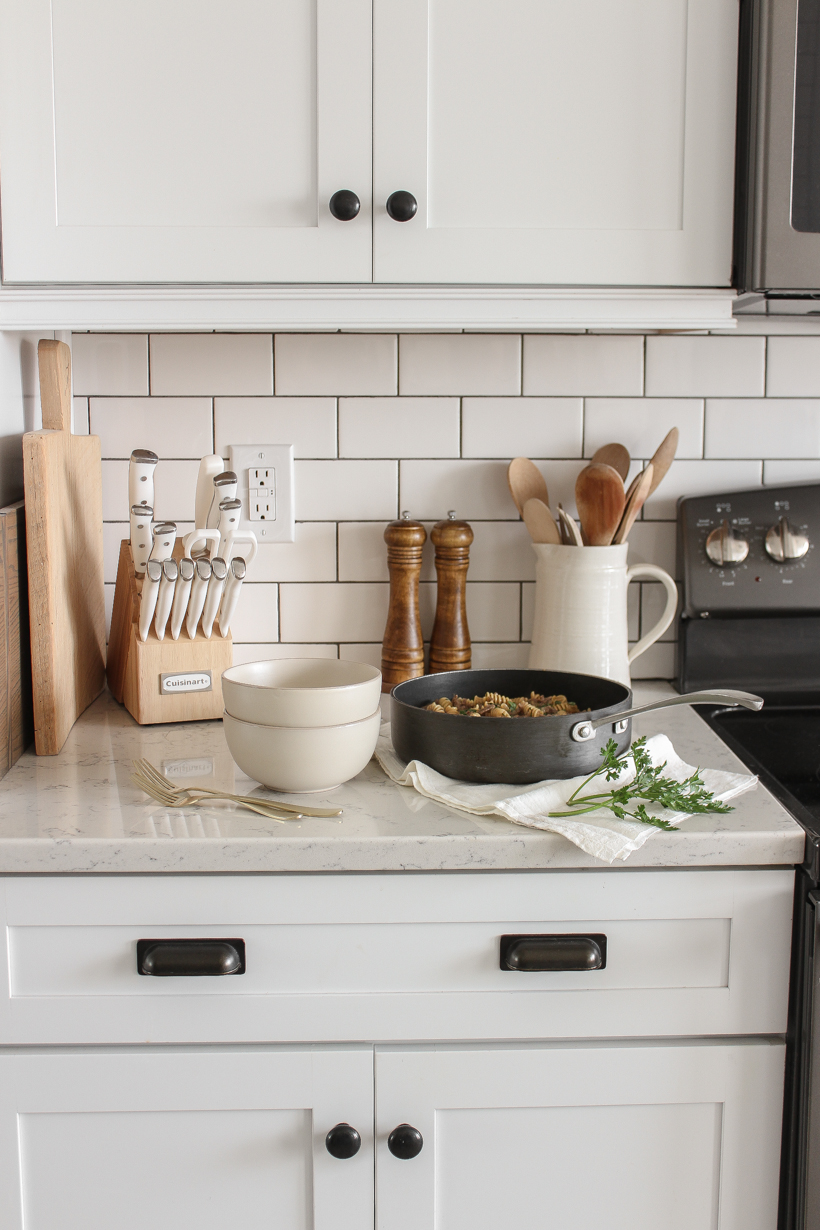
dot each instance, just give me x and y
(450, 647)
(600, 498)
(571, 534)
(540, 522)
(614, 455)
(526, 482)
(636, 496)
(664, 456)
(64, 532)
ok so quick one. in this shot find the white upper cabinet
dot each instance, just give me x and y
(192, 141)
(548, 142)
(589, 142)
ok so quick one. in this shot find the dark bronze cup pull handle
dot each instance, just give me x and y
(343, 1141)
(190, 958)
(540, 953)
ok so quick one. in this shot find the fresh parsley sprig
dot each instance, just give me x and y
(648, 783)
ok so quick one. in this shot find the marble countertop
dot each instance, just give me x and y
(79, 812)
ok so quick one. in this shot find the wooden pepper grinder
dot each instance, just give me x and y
(403, 647)
(450, 648)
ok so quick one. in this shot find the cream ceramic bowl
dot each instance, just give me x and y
(301, 692)
(302, 759)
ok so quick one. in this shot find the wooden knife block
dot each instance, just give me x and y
(135, 668)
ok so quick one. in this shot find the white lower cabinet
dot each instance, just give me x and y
(617, 1136)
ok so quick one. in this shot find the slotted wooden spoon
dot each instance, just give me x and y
(600, 499)
(526, 482)
(636, 496)
(540, 522)
(614, 455)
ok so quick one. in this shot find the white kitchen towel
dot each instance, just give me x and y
(599, 833)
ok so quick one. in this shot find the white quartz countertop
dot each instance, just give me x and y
(79, 812)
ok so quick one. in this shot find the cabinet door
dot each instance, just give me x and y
(197, 141)
(119, 1141)
(621, 1137)
(586, 143)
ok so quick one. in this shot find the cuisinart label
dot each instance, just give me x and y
(185, 681)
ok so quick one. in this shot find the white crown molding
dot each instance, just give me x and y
(408, 308)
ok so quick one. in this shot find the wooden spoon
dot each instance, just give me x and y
(540, 522)
(636, 496)
(526, 482)
(600, 498)
(614, 455)
(664, 456)
(570, 534)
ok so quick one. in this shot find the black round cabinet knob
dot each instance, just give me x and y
(405, 1141)
(343, 1141)
(402, 206)
(344, 205)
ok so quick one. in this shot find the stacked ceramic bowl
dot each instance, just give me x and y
(302, 724)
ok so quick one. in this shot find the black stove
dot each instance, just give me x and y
(750, 619)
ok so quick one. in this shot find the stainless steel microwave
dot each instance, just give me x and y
(777, 226)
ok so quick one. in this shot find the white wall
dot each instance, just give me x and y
(428, 422)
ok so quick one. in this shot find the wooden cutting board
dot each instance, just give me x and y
(16, 724)
(63, 489)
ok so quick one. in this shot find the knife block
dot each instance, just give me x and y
(138, 670)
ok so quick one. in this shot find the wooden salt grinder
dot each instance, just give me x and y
(450, 648)
(403, 647)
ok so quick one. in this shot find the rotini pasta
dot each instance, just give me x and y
(493, 704)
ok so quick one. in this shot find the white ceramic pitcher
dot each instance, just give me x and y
(580, 610)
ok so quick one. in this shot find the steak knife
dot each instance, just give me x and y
(141, 477)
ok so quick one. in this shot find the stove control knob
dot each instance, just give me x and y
(725, 547)
(784, 544)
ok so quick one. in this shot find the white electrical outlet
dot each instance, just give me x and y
(265, 487)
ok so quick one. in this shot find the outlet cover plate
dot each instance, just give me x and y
(246, 458)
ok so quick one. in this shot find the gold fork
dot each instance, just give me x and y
(169, 796)
(181, 797)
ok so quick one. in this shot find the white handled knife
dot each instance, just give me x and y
(199, 591)
(230, 513)
(165, 535)
(141, 477)
(209, 467)
(214, 597)
(181, 595)
(148, 598)
(236, 575)
(170, 572)
(141, 539)
(224, 489)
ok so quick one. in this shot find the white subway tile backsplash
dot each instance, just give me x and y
(501, 551)
(699, 478)
(362, 551)
(336, 364)
(763, 427)
(398, 427)
(586, 366)
(653, 542)
(308, 423)
(781, 473)
(493, 610)
(267, 652)
(495, 656)
(640, 423)
(79, 416)
(257, 614)
(475, 489)
(370, 652)
(343, 612)
(653, 605)
(793, 367)
(174, 486)
(187, 364)
(705, 366)
(658, 662)
(459, 364)
(179, 427)
(346, 490)
(113, 534)
(110, 364)
(522, 426)
(311, 557)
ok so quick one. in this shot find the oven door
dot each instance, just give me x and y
(782, 60)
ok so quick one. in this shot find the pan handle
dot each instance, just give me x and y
(583, 731)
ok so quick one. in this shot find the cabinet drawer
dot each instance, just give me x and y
(392, 957)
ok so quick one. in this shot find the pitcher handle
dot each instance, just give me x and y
(657, 574)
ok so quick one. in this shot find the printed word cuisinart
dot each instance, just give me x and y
(186, 681)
